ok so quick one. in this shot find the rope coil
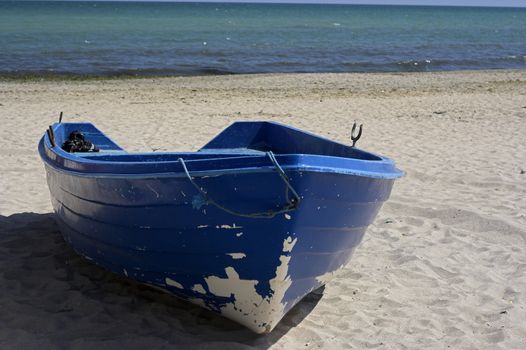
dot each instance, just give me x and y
(292, 203)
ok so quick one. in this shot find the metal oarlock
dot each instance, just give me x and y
(51, 136)
(355, 136)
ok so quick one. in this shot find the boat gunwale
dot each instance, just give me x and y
(301, 164)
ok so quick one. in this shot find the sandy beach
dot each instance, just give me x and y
(443, 266)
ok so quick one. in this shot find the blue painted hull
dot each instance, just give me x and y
(156, 227)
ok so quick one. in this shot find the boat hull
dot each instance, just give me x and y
(158, 230)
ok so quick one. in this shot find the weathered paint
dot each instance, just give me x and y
(199, 289)
(237, 255)
(199, 302)
(228, 227)
(289, 243)
(328, 276)
(258, 313)
(172, 283)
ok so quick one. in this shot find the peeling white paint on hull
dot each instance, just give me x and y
(199, 289)
(259, 314)
(237, 255)
(248, 308)
(171, 282)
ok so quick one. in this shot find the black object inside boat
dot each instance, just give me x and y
(76, 142)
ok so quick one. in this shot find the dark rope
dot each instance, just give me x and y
(292, 204)
(76, 142)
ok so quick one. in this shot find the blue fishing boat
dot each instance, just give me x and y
(247, 226)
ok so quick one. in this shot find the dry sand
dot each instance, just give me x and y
(443, 266)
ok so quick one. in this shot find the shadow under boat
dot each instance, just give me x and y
(74, 299)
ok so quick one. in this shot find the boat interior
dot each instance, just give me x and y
(239, 139)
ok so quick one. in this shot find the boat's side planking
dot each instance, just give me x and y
(166, 219)
(162, 232)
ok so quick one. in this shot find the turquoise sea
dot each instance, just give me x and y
(147, 38)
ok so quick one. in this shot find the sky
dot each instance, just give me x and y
(501, 3)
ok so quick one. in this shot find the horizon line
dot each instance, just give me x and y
(278, 2)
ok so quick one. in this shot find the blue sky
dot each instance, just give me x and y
(516, 3)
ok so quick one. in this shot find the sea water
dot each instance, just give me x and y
(160, 38)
